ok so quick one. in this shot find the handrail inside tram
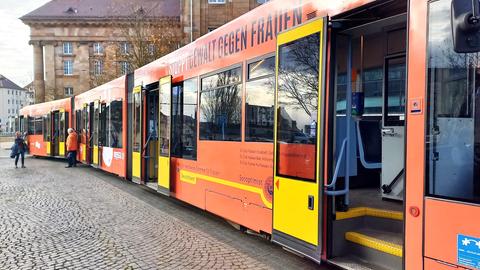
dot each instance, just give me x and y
(365, 163)
(337, 167)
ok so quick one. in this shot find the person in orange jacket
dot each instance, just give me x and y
(72, 147)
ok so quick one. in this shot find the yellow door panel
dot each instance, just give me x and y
(84, 152)
(164, 138)
(297, 183)
(296, 219)
(47, 144)
(95, 155)
(136, 164)
(164, 172)
(62, 149)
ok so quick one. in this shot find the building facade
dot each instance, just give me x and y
(76, 43)
(12, 99)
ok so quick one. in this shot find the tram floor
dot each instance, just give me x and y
(372, 197)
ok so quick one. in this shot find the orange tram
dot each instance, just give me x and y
(346, 131)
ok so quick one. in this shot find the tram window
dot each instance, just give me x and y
(184, 119)
(298, 107)
(38, 125)
(83, 119)
(31, 127)
(47, 129)
(165, 119)
(453, 132)
(137, 110)
(78, 118)
(115, 128)
(221, 106)
(260, 100)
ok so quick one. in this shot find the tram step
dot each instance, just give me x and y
(370, 212)
(386, 242)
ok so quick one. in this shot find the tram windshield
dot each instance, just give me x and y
(453, 133)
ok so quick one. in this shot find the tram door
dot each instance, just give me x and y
(102, 131)
(165, 97)
(298, 139)
(150, 145)
(94, 129)
(137, 134)
(59, 124)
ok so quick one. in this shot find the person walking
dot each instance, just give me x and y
(72, 147)
(21, 147)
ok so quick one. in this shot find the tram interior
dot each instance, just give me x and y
(370, 84)
(150, 148)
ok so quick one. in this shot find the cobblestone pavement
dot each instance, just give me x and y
(57, 218)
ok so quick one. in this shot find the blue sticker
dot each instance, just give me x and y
(468, 251)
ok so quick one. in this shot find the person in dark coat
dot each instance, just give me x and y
(21, 148)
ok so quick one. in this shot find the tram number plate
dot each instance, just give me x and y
(468, 251)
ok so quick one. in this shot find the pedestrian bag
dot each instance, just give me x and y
(14, 151)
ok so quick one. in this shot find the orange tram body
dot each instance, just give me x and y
(347, 131)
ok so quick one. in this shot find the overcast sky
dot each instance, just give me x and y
(16, 56)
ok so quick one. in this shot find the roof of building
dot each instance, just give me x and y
(8, 84)
(103, 9)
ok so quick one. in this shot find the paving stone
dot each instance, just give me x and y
(56, 218)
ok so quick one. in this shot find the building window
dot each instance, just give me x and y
(260, 98)
(216, 1)
(98, 67)
(151, 49)
(124, 67)
(124, 48)
(221, 106)
(67, 48)
(68, 67)
(68, 91)
(184, 119)
(97, 48)
(9, 101)
(262, 1)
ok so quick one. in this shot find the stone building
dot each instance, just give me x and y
(80, 44)
(75, 42)
(12, 99)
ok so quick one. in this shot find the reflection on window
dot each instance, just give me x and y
(164, 136)
(46, 128)
(221, 105)
(114, 132)
(260, 100)
(137, 110)
(298, 90)
(453, 133)
(184, 119)
(38, 125)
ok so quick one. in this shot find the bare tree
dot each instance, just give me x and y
(144, 38)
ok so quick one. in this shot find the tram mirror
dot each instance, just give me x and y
(465, 20)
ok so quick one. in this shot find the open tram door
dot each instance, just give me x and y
(93, 142)
(137, 134)
(59, 124)
(165, 97)
(149, 127)
(298, 166)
